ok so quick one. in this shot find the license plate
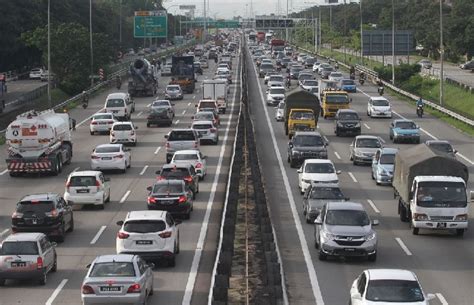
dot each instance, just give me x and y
(114, 111)
(203, 132)
(18, 264)
(110, 288)
(144, 242)
(106, 158)
(441, 225)
(349, 249)
(103, 123)
(166, 201)
(83, 191)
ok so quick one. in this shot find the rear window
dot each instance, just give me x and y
(182, 136)
(160, 103)
(277, 91)
(168, 189)
(107, 149)
(174, 173)
(103, 117)
(123, 127)
(172, 88)
(204, 116)
(113, 269)
(207, 105)
(35, 206)
(115, 103)
(185, 157)
(19, 248)
(82, 181)
(144, 226)
(202, 126)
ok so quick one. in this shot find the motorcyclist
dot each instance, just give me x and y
(288, 81)
(118, 82)
(419, 102)
(419, 107)
(336, 66)
(380, 85)
(85, 99)
(352, 72)
(362, 75)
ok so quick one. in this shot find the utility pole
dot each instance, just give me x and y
(50, 105)
(120, 24)
(205, 23)
(90, 38)
(361, 36)
(286, 28)
(441, 51)
(345, 32)
(394, 59)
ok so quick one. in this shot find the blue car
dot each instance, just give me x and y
(348, 85)
(404, 131)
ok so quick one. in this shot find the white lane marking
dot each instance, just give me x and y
(296, 217)
(56, 292)
(382, 140)
(352, 177)
(176, 123)
(325, 139)
(98, 234)
(441, 299)
(143, 170)
(76, 169)
(366, 126)
(188, 293)
(125, 196)
(4, 232)
(139, 114)
(189, 104)
(429, 134)
(184, 111)
(337, 155)
(148, 105)
(374, 207)
(4, 172)
(363, 92)
(157, 150)
(462, 156)
(403, 246)
(194, 97)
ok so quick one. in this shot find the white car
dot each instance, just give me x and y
(120, 104)
(267, 76)
(379, 106)
(336, 76)
(193, 156)
(87, 187)
(111, 156)
(276, 80)
(388, 286)
(102, 123)
(309, 85)
(316, 66)
(280, 111)
(35, 73)
(166, 70)
(123, 132)
(151, 234)
(275, 95)
(316, 171)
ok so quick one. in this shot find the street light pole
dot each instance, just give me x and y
(441, 51)
(120, 24)
(203, 37)
(361, 36)
(49, 54)
(90, 38)
(394, 59)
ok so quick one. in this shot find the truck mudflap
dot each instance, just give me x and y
(29, 167)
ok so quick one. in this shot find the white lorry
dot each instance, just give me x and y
(216, 89)
(39, 142)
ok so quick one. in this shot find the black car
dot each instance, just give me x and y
(159, 116)
(182, 171)
(317, 195)
(172, 196)
(46, 213)
(306, 145)
(347, 122)
(264, 69)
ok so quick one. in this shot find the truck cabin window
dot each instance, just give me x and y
(441, 195)
(336, 99)
(302, 116)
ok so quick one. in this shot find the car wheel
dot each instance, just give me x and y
(62, 233)
(172, 261)
(304, 210)
(55, 265)
(372, 257)
(460, 232)
(148, 124)
(129, 162)
(372, 175)
(2, 282)
(308, 220)
(71, 225)
(108, 198)
(322, 256)
(415, 231)
(92, 133)
(293, 163)
(177, 246)
(43, 279)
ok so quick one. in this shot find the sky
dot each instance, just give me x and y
(226, 9)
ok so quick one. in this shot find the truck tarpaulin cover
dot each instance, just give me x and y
(299, 98)
(420, 160)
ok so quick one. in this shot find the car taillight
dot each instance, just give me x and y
(122, 235)
(94, 123)
(53, 213)
(198, 165)
(160, 178)
(182, 199)
(39, 263)
(167, 145)
(68, 185)
(195, 144)
(165, 234)
(188, 179)
(151, 199)
(86, 289)
(135, 288)
(95, 157)
(126, 110)
(132, 133)
(213, 130)
(110, 122)
(17, 215)
(118, 157)
(97, 183)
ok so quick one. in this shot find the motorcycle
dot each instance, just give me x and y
(85, 101)
(288, 83)
(380, 90)
(419, 111)
(361, 81)
(353, 76)
(118, 84)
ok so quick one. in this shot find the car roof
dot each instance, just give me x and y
(347, 111)
(84, 173)
(160, 100)
(102, 113)
(173, 165)
(391, 274)
(348, 205)
(171, 86)
(202, 122)
(115, 258)
(367, 137)
(307, 133)
(117, 95)
(108, 145)
(41, 196)
(429, 142)
(388, 150)
(181, 129)
(169, 181)
(187, 151)
(319, 161)
(123, 123)
(325, 185)
(403, 120)
(378, 98)
(34, 236)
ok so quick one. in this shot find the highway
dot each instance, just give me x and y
(442, 262)
(95, 231)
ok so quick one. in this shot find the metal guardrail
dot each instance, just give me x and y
(373, 75)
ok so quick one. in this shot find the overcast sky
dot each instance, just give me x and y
(230, 8)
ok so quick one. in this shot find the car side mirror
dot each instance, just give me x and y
(54, 244)
(455, 151)
(166, 136)
(119, 223)
(356, 296)
(204, 157)
(430, 296)
(150, 188)
(151, 265)
(347, 198)
(338, 172)
(106, 179)
(88, 266)
(375, 222)
(299, 170)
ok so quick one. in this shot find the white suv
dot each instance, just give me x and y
(123, 132)
(151, 234)
(120, 104)
(87, 187)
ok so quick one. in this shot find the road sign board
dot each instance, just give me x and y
(222, 24)
(149, 24)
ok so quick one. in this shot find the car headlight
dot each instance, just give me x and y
(370, 236)
(420, 217)
(307, 180)
(461, 217)
(357, 125)
(296, 152)
(383, 172)
(339, 124)
(327, 236)
(358, 154)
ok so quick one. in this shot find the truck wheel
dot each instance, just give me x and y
(402, 212)
(460, 232)
(292, 164)
(56, 169)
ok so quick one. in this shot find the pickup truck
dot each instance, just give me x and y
(180, 139)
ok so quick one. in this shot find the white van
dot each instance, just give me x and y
(120, 104)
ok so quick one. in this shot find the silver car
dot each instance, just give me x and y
(206, 131)
(280, 111)
(345, 230)
(382, 165)
(174, 92)
(118, 278)
(317, 195)
(26, 256)
(363, 149)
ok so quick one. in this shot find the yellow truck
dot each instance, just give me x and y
(301, 112)
(332, 100)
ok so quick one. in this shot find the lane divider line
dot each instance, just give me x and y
(429, 134)
(98, 234)
(366, 126)
(326, 139)
(352, 177)
(189, 104)
(76, 169)
(4, 172)
(464, 157)
(143, 170)
(139, 114)
(194, 97)
(184, 111)
(337, 155)
(374, 207)
(176, 123)
(125, 196)
(157, 150)
(4, 232)
(56, 292)
(403, 246)
(441, 299)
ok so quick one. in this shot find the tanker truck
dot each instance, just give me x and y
(39, 142)
(143, 80)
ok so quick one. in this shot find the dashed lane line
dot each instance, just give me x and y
(98, 234)
(143, 170)
(403, 246)
(352, 177)
(374, 207)
(56, 292)
(184, 111)
(4, 172)
(337, 155)
(441, 299)
(176, 123)
(157, 150)
(366, 126)
(125, 196)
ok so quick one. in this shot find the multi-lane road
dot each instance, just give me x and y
(442, 262)
(95, 231)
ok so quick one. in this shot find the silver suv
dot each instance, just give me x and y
(345, 230)
(25, 256)
(180, 139)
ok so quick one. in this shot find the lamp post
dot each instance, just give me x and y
(361, 36)
(49, 54)
(394, 59)
(90, 38)
(120, 25)
(441, 51)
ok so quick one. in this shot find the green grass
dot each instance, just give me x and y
(2, 139)
(57, 96)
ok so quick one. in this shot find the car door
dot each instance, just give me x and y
(46, 252)
(317, 227)
(305, 199)
(67, 211)
(369, 107)
(104, 185)
(375, 162)
(203, 161)
(391, 129)
(172, 226)
(145, 275)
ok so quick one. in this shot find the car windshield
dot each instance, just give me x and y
(113, 269)
(387, 159)
(326, 193)
(399, 291)
(277, 91)
(202, 126)
(368, 143)
(19, 248)
(347, 218)
(203, 117)
(174, 173)
(336, 99)
(115, 103)
(307, 141)
(168, 189)
(185, 135)
(103, 117)
(337, 74)
(405, 125)
(123, 127)
(443, 147)
(319, 168)
(160, 103)
(328, 69)
(276, 79)
(441, 194)
(305, 76)
(107, 149)
(82, 181)
(349, 116)
(296, 69)
(172, 88)
(380, 103)
(309, 82)
(185, 157)
(159, 109)
(37, 206)
(348, 82)
(302, 116)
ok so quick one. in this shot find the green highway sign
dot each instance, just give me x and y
(150, 24)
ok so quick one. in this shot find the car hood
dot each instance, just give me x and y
(405, 131)
(344, 122)
(368, 151)
(309, 148)
(317, 204)
(276, 95)
(349, 230)
(320, 177)
(387, 167)
(394, 303)
(381, 108)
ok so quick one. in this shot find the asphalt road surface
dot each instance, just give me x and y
(442, 262)
(95, 231)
